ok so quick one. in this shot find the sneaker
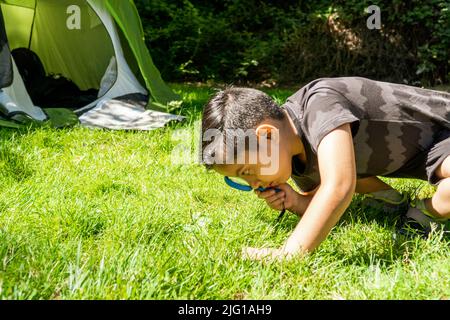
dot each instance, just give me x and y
(389, 206)
(418, 220)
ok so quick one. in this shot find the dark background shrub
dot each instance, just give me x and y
(292, 42)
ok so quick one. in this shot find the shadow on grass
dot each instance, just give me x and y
(365, 236)
(371, 236)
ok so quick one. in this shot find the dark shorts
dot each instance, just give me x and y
(424, 165)
(436, 155)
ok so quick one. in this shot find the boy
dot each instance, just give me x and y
(334, 137)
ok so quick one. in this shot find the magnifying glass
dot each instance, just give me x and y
(242, 185)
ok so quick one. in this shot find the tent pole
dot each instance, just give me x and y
(32, 24)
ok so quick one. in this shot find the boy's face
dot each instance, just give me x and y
(271, 168)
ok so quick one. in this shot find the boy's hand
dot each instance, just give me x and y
(284, 199)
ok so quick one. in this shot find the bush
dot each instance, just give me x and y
(292, 42)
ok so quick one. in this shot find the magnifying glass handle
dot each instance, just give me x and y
(281, 215)
(265, 189)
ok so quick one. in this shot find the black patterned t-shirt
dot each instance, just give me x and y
(391, 124)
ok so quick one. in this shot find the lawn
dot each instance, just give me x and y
(96, 214)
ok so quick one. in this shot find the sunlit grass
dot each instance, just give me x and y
(100, 214)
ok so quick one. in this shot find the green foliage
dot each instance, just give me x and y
(296, 41)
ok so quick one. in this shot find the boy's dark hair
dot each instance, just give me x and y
(236, 108)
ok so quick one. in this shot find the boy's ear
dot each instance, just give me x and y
(268, 131)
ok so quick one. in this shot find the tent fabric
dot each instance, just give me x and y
(22, 20)
(126, 82)
(6, 75)
(85, 57)
(84, 54)
(21, 3)
(120, 115)
(15, 99)
(127, 17)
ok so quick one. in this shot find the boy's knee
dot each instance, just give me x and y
(446, 215)
(443, 198)
(443, 171)
(444, 186)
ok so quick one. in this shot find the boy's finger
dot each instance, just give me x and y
(276, 196)
(278, 203)
(266, 194)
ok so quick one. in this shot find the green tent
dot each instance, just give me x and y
(97, 44)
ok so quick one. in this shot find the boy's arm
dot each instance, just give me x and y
(338, 180)
(302, 202)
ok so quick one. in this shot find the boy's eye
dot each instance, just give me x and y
(246, 173)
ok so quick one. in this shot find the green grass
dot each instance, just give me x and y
(90, 214)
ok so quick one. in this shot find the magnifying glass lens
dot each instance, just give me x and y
(239, 181)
